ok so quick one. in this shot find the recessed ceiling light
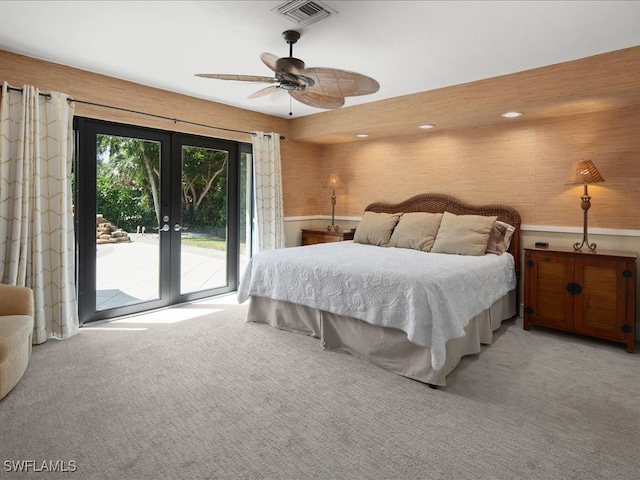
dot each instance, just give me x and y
(362, 135)
(427, 126)
(511, 114)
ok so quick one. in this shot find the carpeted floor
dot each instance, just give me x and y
(197, 393)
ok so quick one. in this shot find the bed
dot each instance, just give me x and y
(423, 283)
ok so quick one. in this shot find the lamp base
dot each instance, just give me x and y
(586, 203)
(578, 246)
(333, 227)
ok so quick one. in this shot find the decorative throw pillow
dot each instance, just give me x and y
(416, 230)
(463, 234)
(376, 228)
(500, 237)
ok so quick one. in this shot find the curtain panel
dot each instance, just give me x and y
(269, 231)
(36, 211)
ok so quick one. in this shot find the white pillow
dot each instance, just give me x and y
(376, 228)
(463, 234)
(416, 230)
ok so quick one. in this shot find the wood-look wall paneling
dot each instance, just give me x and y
(601, 82)
(521, 163)
(610, 139)
(19, 70)
(467, 164)
(301, 178)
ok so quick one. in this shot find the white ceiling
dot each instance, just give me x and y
(408, 46)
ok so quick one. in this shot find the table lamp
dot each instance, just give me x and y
(333, 182)
(584, 172)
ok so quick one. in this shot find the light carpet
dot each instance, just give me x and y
(195, 392)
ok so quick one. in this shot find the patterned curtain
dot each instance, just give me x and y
(36, 211)
(269, 231)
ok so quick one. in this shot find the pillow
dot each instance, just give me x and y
(463, 234)
(500, 237)
(376, 228)
(416, 230)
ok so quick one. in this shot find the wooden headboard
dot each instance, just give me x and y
(440, 203)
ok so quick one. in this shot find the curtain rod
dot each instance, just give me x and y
(175, 120)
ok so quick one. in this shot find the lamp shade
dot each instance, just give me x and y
(333, 181)
(583, 172)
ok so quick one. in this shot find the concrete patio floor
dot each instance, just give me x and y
(127, 272)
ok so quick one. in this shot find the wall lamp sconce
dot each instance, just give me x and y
(333, 182)
(584, 172)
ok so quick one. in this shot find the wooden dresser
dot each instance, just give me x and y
(583, 292)
(311, 237)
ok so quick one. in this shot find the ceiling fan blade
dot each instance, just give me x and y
(317, 100)
(240, 78)
(265, 91)
(341, 83)
(269, 59)
(316, 87)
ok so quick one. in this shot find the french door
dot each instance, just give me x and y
(158, 217)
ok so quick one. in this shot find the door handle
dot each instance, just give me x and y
(177, 227)
(165, 228)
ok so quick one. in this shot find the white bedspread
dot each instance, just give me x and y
(429, 296)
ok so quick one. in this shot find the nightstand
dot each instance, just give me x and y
(583, 292)
(311, 236)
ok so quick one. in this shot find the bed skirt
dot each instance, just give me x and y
(382, 346)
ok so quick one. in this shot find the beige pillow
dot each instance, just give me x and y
(463, 234)
(500, 237)
(376, 228)
(416, 230)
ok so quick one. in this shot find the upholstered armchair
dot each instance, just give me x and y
(16, 332)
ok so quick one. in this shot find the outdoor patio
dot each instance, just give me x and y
(127, 272)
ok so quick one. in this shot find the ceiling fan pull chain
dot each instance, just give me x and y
(290, 112)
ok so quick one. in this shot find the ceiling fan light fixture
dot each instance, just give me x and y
(288, 86)
(427, 126)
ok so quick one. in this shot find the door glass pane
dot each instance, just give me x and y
(203, 239)
(128, 209)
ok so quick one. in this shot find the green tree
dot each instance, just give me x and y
(130, 163)
(204, 179)
(128, 179)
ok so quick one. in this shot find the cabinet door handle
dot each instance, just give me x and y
(574, 288)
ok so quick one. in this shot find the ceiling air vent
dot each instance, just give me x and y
(303, 12)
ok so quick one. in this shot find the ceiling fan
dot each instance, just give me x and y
(316, 87)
